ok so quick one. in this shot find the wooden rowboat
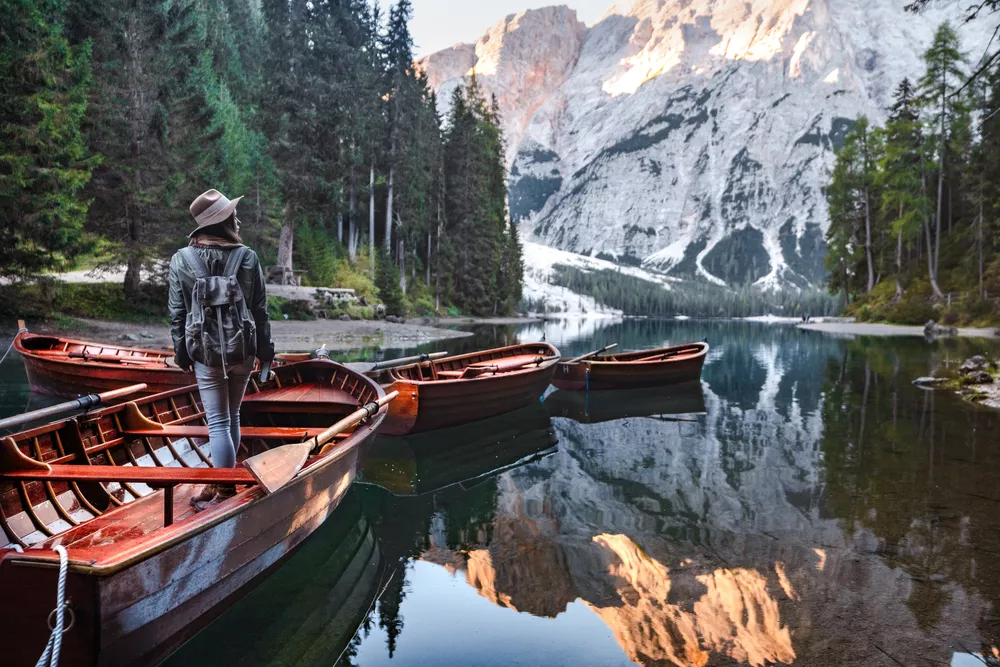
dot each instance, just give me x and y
(646, 368)
(145, 571)
(457, 390)
(593, 407)
(428, 462)
(68, 367)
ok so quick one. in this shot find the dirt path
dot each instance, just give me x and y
(288, 335)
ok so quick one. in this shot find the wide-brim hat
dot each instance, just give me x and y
(211, 207)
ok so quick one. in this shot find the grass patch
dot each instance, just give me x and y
(59, 301)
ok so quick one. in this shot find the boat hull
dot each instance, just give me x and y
(597, 375)
(138, 615)
(64, 376)
(427, 406)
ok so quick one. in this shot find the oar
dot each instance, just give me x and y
(276, 467)
(591, 354)
(82, 403)
(367, 367)
(498, 367)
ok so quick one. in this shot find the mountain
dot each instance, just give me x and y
(692, 137)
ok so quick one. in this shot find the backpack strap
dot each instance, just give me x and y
(235, 261)
(194, 262)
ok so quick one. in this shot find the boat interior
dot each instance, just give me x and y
(165, 435)
(77, 350)
(467, 366)
(670, 353)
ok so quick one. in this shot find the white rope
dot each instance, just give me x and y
(11, 346)
(50, 658)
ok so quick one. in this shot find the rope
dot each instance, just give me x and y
(11, 346)
(50, 658)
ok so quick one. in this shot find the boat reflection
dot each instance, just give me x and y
(305, 613)
(593, 407)
(427, 462)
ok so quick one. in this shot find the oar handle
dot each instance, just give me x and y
(592, 354)
(353, 419)
(395, 363)
(81, 403)
(123, 391)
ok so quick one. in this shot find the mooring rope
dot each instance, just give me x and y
(11, 346)
(50, 658)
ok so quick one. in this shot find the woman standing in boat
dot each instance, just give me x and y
(219, 324)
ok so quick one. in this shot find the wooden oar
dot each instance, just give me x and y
(476, 370)
(368, 367)
(591, 354)
(276, 467)
(82, 403)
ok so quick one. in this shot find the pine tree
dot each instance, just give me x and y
(44, 158)
(144, 53)
(900, 175)
(387, 283)
(943, 76)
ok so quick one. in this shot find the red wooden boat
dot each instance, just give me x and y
(145, 571)
(457, 390)
(68, 367)
(646, 368)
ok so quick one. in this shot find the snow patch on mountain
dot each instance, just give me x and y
(694, 137)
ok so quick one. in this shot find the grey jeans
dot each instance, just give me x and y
(221, 399)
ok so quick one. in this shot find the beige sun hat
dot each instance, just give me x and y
(211, 207)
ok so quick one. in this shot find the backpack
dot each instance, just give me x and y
(219, 330)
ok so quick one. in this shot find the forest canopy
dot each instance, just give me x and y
(115, 115)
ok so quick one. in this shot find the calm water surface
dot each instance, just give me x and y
(804, 504)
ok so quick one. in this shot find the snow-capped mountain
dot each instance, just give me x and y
(693, 136)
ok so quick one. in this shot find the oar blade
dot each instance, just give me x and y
(276, 467)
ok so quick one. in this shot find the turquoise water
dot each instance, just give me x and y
(804, 504)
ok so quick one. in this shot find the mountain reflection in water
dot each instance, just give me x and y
(806, 506)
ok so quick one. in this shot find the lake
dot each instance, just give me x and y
(804, 504)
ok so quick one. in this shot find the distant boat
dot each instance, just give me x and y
(592, 407)
(69, 367)
(646, 368)
(441, 393)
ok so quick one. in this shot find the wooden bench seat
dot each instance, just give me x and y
(260, 432)
(155, 476)
(150, 475)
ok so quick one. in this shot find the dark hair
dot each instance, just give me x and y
(223, 230)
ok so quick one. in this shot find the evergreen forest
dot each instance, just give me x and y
(915, 202)
(115, 115)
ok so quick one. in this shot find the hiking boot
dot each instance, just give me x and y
(224, 492)
(205, 495)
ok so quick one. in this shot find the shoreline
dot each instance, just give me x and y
(876, 329)
(288, 335)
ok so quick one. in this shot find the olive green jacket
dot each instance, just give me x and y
(251, 279)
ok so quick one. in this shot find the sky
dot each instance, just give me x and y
(437, 24)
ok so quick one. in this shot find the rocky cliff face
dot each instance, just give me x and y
(692, 136)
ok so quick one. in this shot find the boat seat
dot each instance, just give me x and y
(260, 432)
